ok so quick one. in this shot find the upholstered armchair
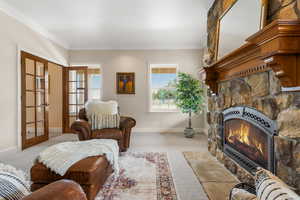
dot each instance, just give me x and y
(82, 128)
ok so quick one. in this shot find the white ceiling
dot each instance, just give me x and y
(120, 24)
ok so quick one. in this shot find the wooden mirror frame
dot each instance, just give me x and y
(263, 23)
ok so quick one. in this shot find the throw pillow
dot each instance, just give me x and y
(13, 184)
(102, 114)
(270, 187)
(240, 194)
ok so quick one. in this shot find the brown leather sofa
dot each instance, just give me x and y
(121, 134)
(59, 190)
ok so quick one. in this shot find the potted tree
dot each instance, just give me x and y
(189, 98)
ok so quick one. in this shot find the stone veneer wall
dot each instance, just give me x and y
(261, 91)
(278, 9)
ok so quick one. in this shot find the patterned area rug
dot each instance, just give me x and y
(143, 176)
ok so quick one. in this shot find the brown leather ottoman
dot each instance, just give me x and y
(91, 173)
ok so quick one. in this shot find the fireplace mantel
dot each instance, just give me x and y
(276, 47)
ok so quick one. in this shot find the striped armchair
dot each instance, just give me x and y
(267, 187)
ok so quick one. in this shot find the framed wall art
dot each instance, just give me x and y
(125, 83)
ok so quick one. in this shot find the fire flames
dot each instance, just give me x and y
(242, 135)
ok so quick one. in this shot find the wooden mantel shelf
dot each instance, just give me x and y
(276, 47)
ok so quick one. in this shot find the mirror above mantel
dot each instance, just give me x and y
(238, 22)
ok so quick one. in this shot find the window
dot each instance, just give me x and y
(94, 84)
(162, 80)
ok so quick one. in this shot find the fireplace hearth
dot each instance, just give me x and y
(248, 138)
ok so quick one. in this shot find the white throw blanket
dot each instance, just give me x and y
(60, 157)
(102, 114)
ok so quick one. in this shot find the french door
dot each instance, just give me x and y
(75, 94)
(34, 100)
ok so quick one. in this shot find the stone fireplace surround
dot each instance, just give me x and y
(260, 91)
(253, 76)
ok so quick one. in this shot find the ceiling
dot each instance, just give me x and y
(120, 24)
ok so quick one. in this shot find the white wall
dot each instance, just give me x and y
(137, 61)
(12, 35)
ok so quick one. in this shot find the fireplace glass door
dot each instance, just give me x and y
(248, 140)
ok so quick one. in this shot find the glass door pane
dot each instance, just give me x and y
(30, 82)
(40, 99)
(80, 75)
(30, 99)
(29, 66)
(73, 110)
(72, 75)
(30, 115)
(40, 84)
(80, 98)
(40, 69)
(40, 128)
(30, 131)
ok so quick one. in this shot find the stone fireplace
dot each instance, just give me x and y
(260, 92)
(248, 138)
(254, 105)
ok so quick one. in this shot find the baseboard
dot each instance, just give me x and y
(10, 149)
(164, 130)
(201, 130)
(55, 130)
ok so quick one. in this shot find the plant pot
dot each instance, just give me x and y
(189, 132)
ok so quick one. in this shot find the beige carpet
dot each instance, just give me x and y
(214, 177)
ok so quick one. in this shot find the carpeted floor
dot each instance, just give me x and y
(216, 180)
(173, 144)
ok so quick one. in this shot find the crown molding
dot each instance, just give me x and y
(137, 48)
(12, 12)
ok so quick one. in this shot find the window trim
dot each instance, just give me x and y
(150, 66)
